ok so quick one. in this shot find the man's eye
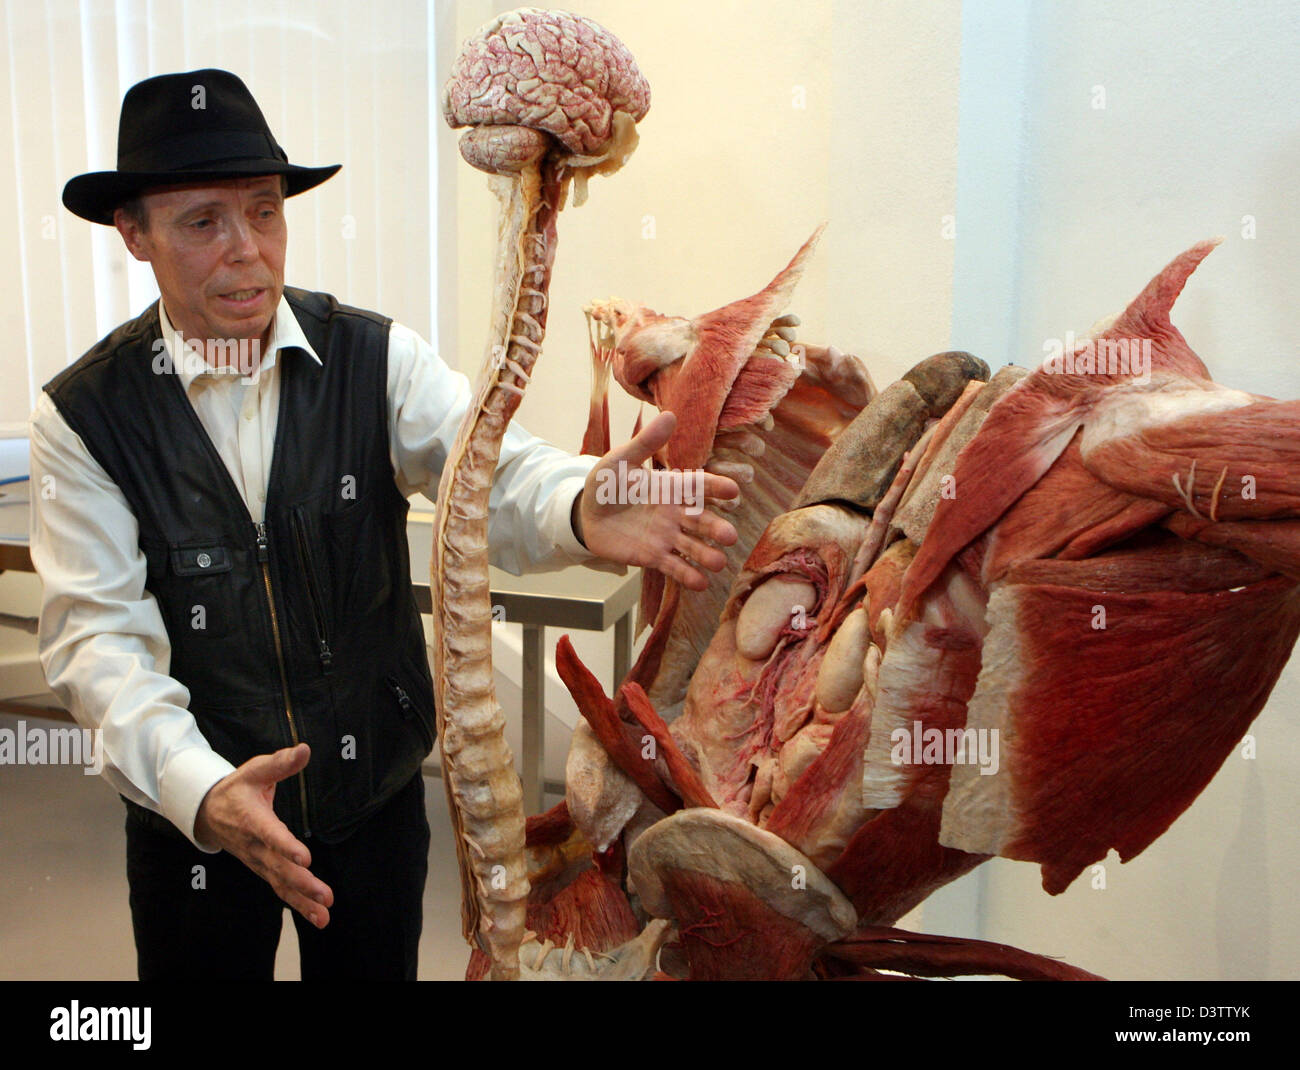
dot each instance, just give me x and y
(201, 224)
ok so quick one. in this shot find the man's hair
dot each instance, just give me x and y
(136, 211)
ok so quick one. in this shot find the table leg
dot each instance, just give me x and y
(532, 765)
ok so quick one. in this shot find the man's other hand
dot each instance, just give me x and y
(644, 519)
(236, 815)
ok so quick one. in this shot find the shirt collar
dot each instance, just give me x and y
(286, 333)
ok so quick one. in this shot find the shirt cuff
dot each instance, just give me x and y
(565, 537)
(571, 489)
(189, 777)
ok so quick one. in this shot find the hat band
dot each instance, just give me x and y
(188, 152)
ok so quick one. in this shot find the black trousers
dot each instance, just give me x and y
(208, 916)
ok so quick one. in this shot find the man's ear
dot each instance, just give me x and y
(132, 234)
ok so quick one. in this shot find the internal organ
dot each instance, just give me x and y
(742, 707)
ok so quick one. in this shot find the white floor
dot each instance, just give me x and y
(63, 894)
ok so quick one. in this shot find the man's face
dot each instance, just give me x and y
(217, 251)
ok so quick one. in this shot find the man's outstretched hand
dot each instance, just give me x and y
(669, 537)
(236, 815)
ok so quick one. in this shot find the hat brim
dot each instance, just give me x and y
(96, 196)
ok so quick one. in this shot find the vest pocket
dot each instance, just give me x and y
(200, 560)
(376, 745)
(315, 590)
(194, 589)
(365, 585)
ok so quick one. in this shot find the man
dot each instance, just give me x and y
(227, 584)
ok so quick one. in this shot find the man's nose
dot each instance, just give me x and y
(241, 244)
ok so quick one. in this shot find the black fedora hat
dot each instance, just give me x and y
(180, 128)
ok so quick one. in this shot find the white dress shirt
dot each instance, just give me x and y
(102, 641)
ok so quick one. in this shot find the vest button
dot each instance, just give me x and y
(203, 560)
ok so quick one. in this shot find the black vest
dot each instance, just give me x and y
(307, 629)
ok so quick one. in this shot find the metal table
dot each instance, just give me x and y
(577, 597)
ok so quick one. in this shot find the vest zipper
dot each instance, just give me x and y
(264, 558)
(403, 699)
(408, 708)
(322, 639)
